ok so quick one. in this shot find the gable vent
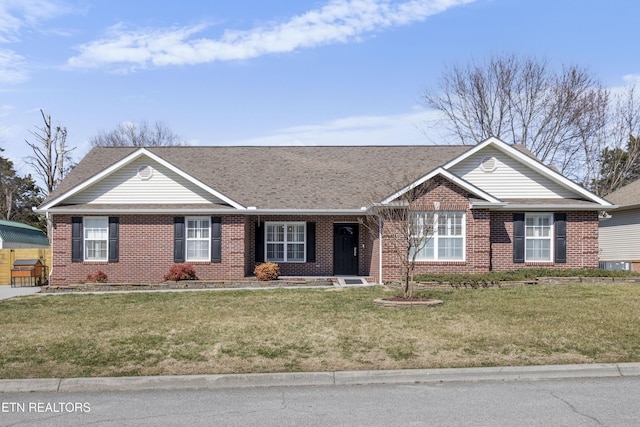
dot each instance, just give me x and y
(489, 164)
(145, 172)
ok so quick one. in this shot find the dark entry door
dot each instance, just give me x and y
(345, 249)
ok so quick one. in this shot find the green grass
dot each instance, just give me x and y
(314, 330)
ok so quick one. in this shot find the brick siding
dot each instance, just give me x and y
(582, 242)
(146, 250)
(323, 266)
(489, 244)
(146, 245)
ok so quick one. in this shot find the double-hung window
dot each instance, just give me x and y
(96, 238)
(198, 238)
(438, 236)
(538, 237)
(285, 241)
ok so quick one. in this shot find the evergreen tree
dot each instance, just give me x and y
(18, 195)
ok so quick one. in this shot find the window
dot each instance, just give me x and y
(538, 237)
(96, 238)
(285, 241)
(445, 233)
(198, 238)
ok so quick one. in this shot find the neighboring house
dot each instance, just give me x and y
(19, 242)
(620, 233)
(133, 212)
(15, 235)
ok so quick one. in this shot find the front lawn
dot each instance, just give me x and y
(314, 330)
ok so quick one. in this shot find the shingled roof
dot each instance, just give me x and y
(17, 232)
(627, 195)
(283, 177)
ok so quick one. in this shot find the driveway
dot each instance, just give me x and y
(7, 291)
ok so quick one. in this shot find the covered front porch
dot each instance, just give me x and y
(340, 248)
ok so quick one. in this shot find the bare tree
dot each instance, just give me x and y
(51, 158)
(406, 224)
(131, 134)
(18, 195)
(522, 100)
(619, 155)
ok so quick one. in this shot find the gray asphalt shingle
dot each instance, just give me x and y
(309, 177)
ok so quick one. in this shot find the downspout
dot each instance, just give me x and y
(46, 215)
(581, 239)
(380, 250)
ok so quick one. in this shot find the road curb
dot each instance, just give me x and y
(293, 379)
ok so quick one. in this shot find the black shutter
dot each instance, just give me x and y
(76, 239)
(560, 223)
(518, 237)
(114, 223)
(311, 242)
(216, 239)
(178, 239)
(259, 242)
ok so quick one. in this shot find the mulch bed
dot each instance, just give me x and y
(186, 284)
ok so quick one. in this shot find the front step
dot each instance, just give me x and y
(352, 281)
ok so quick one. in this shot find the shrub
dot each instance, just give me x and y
(484, 279)
(99, 277)
(181, 272)
(267, 271)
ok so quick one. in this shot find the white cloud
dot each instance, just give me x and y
(415, 127)
(12, 67)
(339, 21)
(15, 17)
(18, 14)
(631, 79)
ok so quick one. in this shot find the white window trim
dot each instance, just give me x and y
(84, 239)
(187, 239)
(285, 242)
(434, 237)
(550, 238)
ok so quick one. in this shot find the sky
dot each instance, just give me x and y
(255, 72)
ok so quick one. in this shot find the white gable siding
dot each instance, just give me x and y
(510, 179)
(124, 186)
(619, 236)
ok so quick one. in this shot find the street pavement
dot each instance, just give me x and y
(610, 401)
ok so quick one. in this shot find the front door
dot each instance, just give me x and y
(345, 249)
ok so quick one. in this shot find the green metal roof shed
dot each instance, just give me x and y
(15, 235)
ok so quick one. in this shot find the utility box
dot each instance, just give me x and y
(28, 272)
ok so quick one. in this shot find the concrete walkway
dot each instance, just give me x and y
(410, 376)
(7, 291)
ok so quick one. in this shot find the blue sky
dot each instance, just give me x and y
(277, 72)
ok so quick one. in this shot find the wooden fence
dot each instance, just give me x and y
(8, 257)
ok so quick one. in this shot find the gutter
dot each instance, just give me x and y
(204, 211)
(543, 208)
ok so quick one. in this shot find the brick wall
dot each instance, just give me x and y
(489, 244)
(445, 196)
(323, 266)
(582, 242)
(145, 251)
(146, 245)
